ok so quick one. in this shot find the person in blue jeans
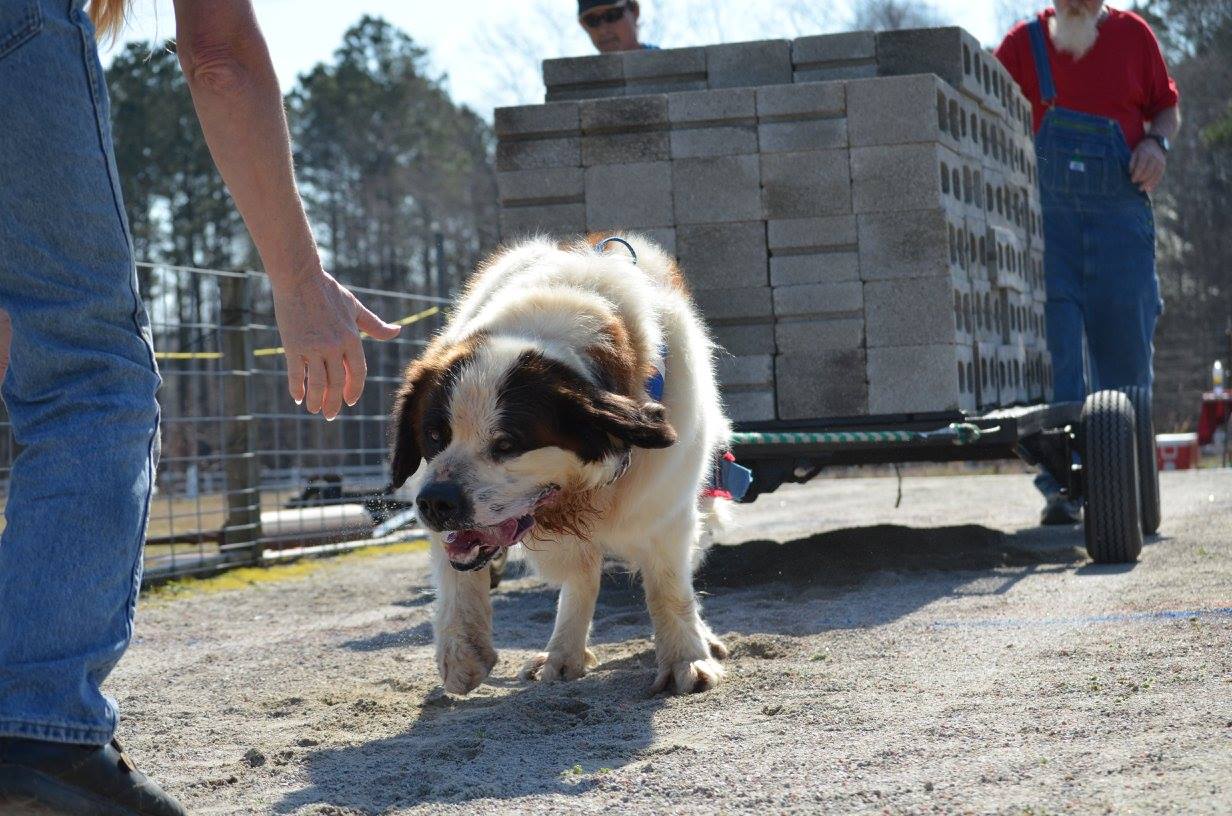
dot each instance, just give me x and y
(81, 379)
(1105, 110)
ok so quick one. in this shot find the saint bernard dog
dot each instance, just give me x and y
(530, 418)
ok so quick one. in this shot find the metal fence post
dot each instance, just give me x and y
(243, 524)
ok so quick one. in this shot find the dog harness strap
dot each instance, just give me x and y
(1043, 71)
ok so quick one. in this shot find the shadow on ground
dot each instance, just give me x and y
(550, 739)
(536, 740)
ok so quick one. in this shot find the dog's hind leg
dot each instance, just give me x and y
(687, 651)
(578, 570)
(463, 624)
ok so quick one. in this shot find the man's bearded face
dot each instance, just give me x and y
(1076, 26)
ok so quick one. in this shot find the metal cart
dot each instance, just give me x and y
(1102, 451)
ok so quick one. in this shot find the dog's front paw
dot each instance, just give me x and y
(548, 667)
(688, 676)
(464, 664)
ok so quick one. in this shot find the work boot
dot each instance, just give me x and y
(1059, 510)
(55, 779)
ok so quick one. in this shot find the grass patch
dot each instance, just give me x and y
(245, 577)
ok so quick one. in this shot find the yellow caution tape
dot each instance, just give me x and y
(188, 355)
(267, 352)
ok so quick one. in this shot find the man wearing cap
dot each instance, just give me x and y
(1105, 111)
(612, 26)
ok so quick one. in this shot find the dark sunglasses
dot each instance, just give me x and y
(604, 17)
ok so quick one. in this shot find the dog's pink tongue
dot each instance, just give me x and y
(501, 535)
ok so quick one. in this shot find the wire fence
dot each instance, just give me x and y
(245, 475)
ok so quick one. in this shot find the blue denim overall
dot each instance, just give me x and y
(80, 389)
(1099, 251)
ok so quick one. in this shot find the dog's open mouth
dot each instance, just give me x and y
(472, 549)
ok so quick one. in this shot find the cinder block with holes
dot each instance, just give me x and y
(904, 110)
(985, 312)
(889, 178)
(977, 247)
(917, 379)
(1009, 265)
(1011, 360)
(723, 256)
(997, 198)
(825, 57)
(822, 384)
(950, 53)
(749, 64)
(987, 384)
(916, 312)
(911, 244)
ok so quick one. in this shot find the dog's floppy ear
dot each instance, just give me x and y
(642, 425)
(404, 425)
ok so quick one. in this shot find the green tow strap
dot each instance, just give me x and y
(959, 433)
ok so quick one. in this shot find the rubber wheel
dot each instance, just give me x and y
(1112, 523)
(496, 568)
(1148, 461)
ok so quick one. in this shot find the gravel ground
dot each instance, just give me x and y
(950, 658)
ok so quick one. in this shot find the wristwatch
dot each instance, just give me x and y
(1161, 140)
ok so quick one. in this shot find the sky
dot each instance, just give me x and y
(488, 49)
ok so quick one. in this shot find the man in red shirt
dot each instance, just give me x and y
(1105, 111)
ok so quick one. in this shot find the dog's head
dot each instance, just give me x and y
(511, 436)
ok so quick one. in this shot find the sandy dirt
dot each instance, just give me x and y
(945, 657)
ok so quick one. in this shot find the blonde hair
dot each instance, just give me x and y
(108, 16)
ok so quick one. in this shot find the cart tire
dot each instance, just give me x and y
(496, 568)
(1112, 523)
(1148, 462)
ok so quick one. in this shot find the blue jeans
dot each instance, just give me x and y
(81, 384)
(1099, 261)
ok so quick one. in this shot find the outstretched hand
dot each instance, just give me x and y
(320, 323)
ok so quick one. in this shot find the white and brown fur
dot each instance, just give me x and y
(582, 331)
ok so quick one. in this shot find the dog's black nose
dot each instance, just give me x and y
(442, 505)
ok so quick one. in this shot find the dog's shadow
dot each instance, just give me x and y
(557, 738)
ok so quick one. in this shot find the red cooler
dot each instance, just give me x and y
(1177, 451)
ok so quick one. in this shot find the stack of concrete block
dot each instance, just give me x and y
(856, 213)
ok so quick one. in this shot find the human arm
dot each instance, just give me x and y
(1149, 161)
(236, 95)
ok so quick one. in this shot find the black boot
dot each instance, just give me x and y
(1059, 510)
(55, 779)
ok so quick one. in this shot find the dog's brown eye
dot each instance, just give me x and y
(434, 435)
(504, 445)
